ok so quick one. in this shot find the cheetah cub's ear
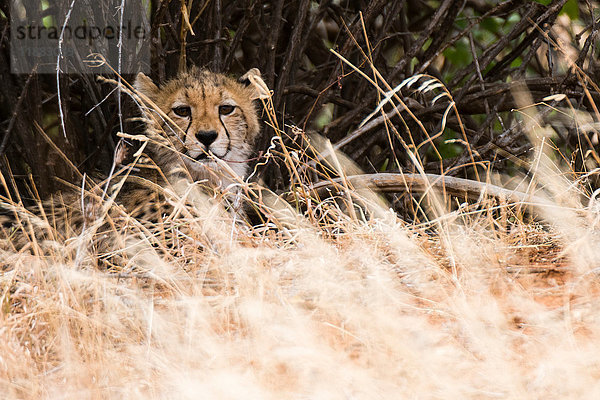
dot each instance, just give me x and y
(253, 80)
(144, 85)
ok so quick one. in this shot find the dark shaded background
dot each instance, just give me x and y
(477, 48)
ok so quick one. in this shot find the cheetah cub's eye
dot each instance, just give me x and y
(226, 109)
(182, 111)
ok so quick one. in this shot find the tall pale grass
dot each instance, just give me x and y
(327, 300)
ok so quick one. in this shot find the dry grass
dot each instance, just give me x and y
(377, 311)
(365, 308)
(322, 301)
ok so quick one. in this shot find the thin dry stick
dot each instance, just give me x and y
(399, 182)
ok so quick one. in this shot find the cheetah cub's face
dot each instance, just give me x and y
(213, 117)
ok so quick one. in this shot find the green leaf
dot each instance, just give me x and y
(427, 44)
(459, 55)
(384, 167)
(516, 62)
(571, 8)
(490, 24)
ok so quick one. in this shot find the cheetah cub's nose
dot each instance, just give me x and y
(206, 137)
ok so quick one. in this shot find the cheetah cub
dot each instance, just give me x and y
(200, 132)
(201, 124)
